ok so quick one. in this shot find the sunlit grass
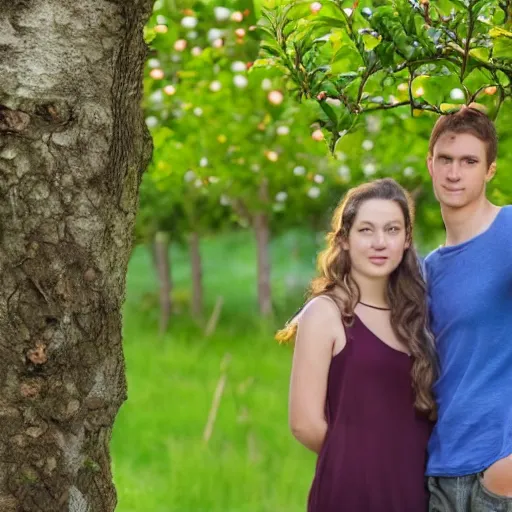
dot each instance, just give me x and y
(251, 463)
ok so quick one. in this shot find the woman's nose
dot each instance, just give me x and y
(379, 240)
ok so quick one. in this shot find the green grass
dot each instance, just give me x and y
(251, 463)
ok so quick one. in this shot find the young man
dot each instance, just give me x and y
(470, 294)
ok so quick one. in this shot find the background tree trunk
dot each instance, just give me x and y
(163, 269)
(197, 275)
(73, 145)
(262, 232)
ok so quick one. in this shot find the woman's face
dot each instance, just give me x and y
(377, 239)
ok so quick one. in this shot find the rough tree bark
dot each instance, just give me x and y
(262, 233)
(73, 146)
(197, 274)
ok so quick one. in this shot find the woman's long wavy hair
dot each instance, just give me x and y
(406, 288)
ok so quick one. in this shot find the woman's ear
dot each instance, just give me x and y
(342, 240)
(491, 172)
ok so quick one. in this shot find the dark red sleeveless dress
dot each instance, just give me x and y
(373, 458)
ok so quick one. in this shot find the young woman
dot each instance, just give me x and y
(363, 364)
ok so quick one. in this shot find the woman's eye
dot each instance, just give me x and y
(394, 229)
(364, 230)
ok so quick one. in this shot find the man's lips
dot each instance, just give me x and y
(453, 190)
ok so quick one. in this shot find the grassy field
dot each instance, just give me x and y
(251, 463)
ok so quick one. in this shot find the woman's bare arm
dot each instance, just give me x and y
(319, 330)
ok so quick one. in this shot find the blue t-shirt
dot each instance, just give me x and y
(470, 297)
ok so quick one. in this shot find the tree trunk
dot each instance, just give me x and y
(197, 275)
(262, 232)
(163, 269)
(73, 146)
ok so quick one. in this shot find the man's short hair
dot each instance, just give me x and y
(467, 120)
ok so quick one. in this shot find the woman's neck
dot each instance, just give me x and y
(373, 291)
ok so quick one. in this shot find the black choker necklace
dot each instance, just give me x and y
(374, 307)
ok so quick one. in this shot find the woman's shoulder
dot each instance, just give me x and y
(321, 310)
(320, 324)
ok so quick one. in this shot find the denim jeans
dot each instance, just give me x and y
(464, 494)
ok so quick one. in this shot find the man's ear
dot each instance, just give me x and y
(429, 164)
(491, 172)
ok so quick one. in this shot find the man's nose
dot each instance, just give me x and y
(453, 172)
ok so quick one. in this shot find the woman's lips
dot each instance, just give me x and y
(378, 260)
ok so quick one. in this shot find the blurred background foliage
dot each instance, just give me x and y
(262, 116)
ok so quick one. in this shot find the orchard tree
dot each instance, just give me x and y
(380, 73)
(374, 56)
(178, 205)
(73, 146)
(238, 151)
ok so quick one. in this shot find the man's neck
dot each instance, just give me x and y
(462, 224)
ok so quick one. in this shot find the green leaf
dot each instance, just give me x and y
(481, 54)
(345, 79)
(263, 63)
(273, 49)
(406, 15)
(268, 31)
(346, 59)
(330, 22)
(447, 6)
(329, 111)
(499, 32)
(149, 34)
(308, 36)
(319, 69)
(502, 48)
(386, 53)
(298, 10)
(502, 42)
(449, 107)
(478, 6)
(370, 42)
(328, 87)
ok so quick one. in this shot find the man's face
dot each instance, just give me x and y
(459, 169)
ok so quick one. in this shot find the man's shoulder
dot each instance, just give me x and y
(428, 262)
(431, 257)
(503, 224)
(507, 212)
